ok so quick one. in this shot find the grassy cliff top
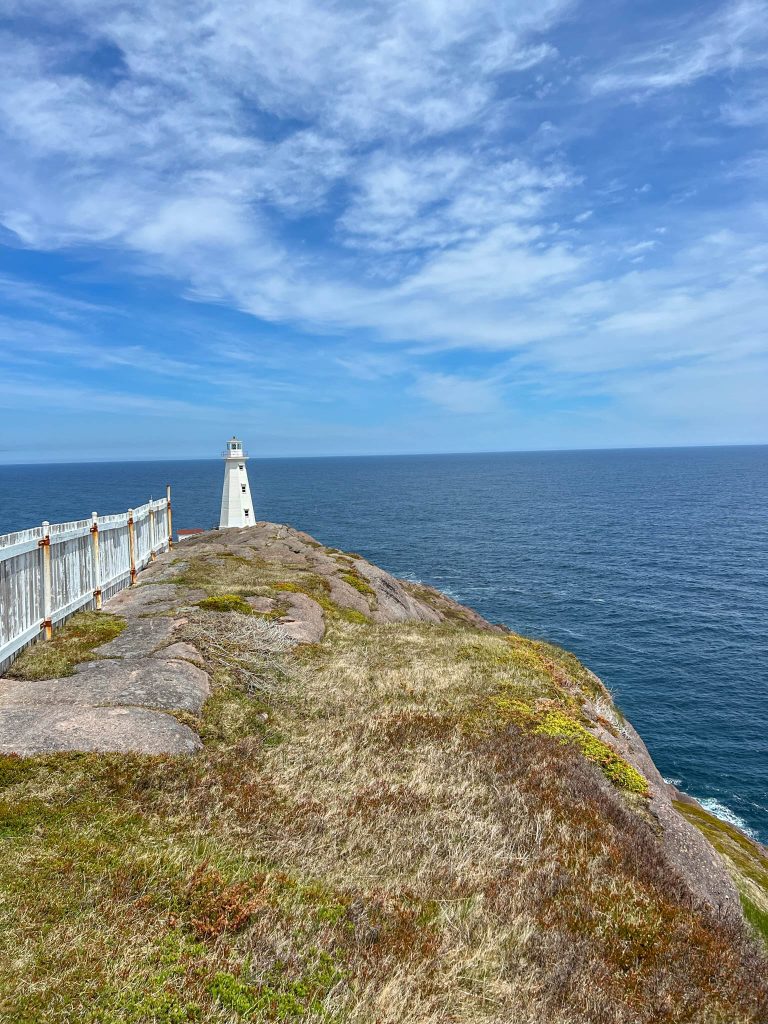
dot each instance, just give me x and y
(400, 814)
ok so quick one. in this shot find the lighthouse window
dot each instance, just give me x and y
(246, 512)
(242, 487)
(242, 467)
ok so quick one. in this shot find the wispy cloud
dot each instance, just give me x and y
(734, 37)
(463, 395)
(411, 202)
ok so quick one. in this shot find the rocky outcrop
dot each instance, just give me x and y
(142, 637)
(686, 850)
(303, 621)
(160, 599)
(124, 700)
(349, 581)
(59, 728)
(160, 683)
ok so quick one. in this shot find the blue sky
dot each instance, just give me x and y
(349, 227)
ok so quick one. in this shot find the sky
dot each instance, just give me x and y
(349, 227)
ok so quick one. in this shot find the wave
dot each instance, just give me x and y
(720, 810)
(411, 577)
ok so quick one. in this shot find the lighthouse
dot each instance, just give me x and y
(236, 505)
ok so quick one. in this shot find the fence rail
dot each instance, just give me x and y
(53, 570)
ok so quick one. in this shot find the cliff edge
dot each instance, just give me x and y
(273, 782)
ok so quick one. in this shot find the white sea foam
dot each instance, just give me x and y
(672, 782)
(411, 577)
(726, 814)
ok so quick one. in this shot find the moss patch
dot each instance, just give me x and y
(226, 603)
(561, 726)
(354, 579)
(70, 644)
(280, 995)
(318, 588)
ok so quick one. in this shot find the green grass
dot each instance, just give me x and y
(279, 996)
(70, 644)
(756, 916)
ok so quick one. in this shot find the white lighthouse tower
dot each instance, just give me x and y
(236, 504)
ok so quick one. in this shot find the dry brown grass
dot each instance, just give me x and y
(385, 848)
(248, 645)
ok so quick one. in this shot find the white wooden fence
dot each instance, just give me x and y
(51, 571)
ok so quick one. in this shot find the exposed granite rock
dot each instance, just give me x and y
(304, 620)
(162, 570)
(277, 546)
(141, 682)
(152, 599)
(448, 609)
(262, 604)
(103, 706)
(138, 639)
(181, 650)
(393, 602)
(345, 596)
(66, 727)
(686, 849)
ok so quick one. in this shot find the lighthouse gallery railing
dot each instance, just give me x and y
(53, 570)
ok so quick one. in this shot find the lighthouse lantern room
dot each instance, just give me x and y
(236, 504)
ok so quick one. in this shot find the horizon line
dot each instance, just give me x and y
(400, 455)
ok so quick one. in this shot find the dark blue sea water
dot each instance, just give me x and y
(652, 565)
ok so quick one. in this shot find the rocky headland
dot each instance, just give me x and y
(273, 782)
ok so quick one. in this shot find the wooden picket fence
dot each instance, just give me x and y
(51, 571)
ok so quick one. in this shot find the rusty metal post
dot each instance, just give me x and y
(45, 544)
(152, 552)
(95, 559)
(132, 545)
(170, 515)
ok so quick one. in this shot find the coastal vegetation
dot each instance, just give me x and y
(407, 822)
(746, 860)
(68, 646)
(226, 603)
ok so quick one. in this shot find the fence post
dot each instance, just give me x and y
(152, 552)
(95, 559)
(132, 546)
(170, 515)
(45, 544)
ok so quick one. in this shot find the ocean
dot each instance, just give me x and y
(651, 565)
